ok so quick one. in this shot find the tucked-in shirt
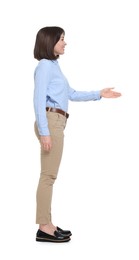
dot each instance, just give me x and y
(51, 89)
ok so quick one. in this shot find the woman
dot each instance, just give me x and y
(51, 95)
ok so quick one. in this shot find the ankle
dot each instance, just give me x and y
(42, 226)
(47, 228)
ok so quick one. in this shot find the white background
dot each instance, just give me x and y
(96, 194)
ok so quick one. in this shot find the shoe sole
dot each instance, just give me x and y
(39, 239)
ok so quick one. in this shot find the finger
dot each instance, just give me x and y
(111, 88)
(117, 94)
(47, 147)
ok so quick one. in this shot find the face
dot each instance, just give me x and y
(60, 46)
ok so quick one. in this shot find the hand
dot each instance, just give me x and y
(46, 143)
(109, 93)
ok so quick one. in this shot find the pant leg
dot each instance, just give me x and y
(50, 162)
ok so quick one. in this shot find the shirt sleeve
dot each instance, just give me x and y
(83, 95)
(42, 76)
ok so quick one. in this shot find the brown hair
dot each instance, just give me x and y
(46, 39)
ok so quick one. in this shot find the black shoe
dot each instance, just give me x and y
(64, 232)
(57, 238)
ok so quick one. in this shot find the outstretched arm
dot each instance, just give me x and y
(92, 95)
(109, 93)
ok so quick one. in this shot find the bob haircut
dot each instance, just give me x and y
(46, 39)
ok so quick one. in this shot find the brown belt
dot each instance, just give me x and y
(57, 110)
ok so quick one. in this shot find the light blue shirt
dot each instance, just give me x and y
(51, 89)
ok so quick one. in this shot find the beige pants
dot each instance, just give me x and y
(50, 162)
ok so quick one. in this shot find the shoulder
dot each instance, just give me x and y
(43, 66)
(44, 63)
